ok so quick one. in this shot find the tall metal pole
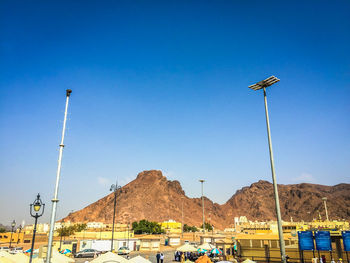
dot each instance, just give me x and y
(277, 202)
(128, 235)
(182, 217)
(55, 198)
(114, 188)
(115, 201)
(61, 235)
(33, 240)
(325, 207)
(202, 181)
(11, 235)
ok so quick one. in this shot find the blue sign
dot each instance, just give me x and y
(306, 240)
(323, 240)
(346, 240)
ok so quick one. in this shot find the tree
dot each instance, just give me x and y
(188, 228)
(66, 231)
(2, 230)
(80, 227)
(145, 226)
(208, 226)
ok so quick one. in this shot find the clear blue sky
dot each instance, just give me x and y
(164, 85)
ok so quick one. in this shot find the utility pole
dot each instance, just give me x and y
(55, 198)
(325, 207)
(114, 188)
(182, 216)
(202, 181)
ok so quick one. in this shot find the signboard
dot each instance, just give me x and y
(323, 240)
(346, 240)
(306, 240)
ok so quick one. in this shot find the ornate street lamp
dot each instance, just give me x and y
(13, 224)
(36, 211)
(114, 188)
(19, 233)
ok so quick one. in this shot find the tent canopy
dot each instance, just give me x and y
(187, 248)
(110, 257)
(206, 246)
(139, 259)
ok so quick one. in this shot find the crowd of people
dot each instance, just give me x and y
(192, 256)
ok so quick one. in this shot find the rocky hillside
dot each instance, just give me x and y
(151, 196)
(300, 201)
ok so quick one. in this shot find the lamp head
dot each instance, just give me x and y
(68, 92)
(264, 83)
(13, 224)
(36, 206)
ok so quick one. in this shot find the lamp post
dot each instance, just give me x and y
(202, 181)
(114, 188)
(36, 211)
(263, 85)
(128, 234)
(13, 224)
(19, 233)
(182, 216)
(62, 222)
(325, 207)
(58, 173)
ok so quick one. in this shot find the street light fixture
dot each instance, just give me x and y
(325, 206)
(36, 211)
(257, 86)
(114, 188)
(202, 181)
(13, 224)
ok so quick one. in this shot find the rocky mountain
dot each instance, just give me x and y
(151, 196)
(299, 201)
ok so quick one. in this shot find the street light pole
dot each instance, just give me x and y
(325, 207)
(19, 233)
(13, 224)
(61, 234)
(263, 85)
(114, 188)
(202, 181)
(36, 213)
(58, 173)
(182, 217)
(128, 235)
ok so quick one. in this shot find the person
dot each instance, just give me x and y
(161, 257)
(158, 256)
(323, 258)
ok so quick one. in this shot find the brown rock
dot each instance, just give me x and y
(151, 196)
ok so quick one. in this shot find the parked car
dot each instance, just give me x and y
(16, 250)
(7, 249)
(123, 251)
(87, 253)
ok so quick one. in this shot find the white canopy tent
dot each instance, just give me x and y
(187, 248)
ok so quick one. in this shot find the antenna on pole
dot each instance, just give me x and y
(55, 198)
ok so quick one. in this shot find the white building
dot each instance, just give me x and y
(95, 225)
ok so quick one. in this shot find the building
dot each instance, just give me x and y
(171, 226)
(149, 243)
(174, 240)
